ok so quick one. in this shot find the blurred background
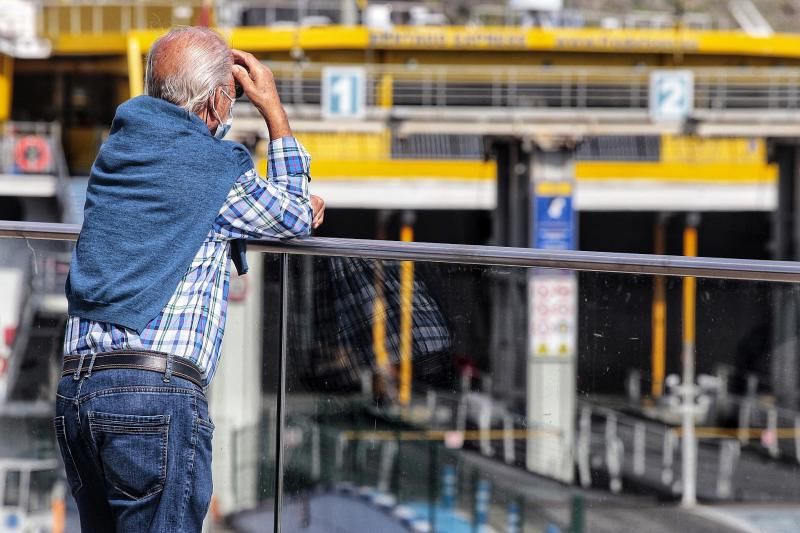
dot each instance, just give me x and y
(450, 397)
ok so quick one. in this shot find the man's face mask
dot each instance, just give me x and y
(224, 127)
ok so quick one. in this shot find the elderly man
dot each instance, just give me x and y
(168, 208)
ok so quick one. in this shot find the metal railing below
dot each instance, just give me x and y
(546, 87)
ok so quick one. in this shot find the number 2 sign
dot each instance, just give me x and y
(671, 94)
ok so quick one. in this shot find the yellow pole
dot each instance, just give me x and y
(382, 364)
(379, 323)
(379, 306)
(385, 91)
(689, 288)
(135, 75)
(659, 324)
(406, 316)
(6, 86)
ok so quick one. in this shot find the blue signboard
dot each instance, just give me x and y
(554, 222)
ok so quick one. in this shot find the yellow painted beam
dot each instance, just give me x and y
(259, 39)
(400, 169)
(460, 170)
(103, 44)
(694, 150)
(334, 38)
(90, 44)
(460, 38)
(348, 145)
(6, 86)
(677, 172)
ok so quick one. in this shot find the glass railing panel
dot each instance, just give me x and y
(242, 399)
(446, 397)
(32, 317)
(33, 314)
(417, 400)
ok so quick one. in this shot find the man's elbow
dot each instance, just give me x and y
(299, 226)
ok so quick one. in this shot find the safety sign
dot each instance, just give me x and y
(553, 314)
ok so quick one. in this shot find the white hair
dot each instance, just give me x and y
(204, 63)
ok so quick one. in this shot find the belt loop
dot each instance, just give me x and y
(91, 365)
(168, 371)
(77, 375)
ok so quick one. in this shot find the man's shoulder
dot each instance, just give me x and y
(239, 155)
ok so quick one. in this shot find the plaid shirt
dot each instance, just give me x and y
(192, 323)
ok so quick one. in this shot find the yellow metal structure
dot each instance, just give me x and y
(385, 94)
(683, 159)
(347, 145)
(379, 324)
(659, 319)
(6, 86)
(677, 172)
(135, 74)
(406, 319)
(110, 38)
(689, 288)
(603, 44)
(685, 149)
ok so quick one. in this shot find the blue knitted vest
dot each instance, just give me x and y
(156, 187)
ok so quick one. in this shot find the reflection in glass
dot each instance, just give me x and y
(461, 453)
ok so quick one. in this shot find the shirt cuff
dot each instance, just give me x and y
(287, 157)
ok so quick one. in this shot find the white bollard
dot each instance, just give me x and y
(584, 439)
(485, 426)
(668, 457)
(388, 453)
(728, 457)
(639, 445)
(772, 432)
(315, 453)
(508, 438)
(615, 451)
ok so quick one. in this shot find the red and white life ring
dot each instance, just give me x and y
(32, 154)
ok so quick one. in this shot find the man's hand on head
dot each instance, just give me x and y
(318, 207)
(258, 84)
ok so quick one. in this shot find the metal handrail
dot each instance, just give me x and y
(704, 267)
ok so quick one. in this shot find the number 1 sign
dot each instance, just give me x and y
(343, 92)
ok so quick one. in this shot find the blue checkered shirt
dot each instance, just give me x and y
(192, 323)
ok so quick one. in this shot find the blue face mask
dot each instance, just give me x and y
(224, 127)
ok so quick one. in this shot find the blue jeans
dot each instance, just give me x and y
(136, 449)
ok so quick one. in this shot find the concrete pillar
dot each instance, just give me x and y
(786, 297)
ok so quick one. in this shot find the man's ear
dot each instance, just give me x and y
(210, 106)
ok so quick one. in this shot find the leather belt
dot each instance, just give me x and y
(137, 360)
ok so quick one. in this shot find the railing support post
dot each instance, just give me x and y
(281, 395)
(688, 438)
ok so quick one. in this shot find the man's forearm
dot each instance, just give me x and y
(277, 121)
